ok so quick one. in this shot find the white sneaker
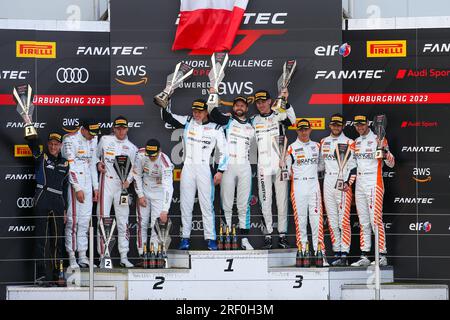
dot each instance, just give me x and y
(362, 262)
(125, 263)
(245, 244)
(325, 262)
(383, 261)
(83, 262)
(73, 262)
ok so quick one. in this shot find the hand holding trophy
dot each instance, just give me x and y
(174, 80)
(216, 74)
(25, 107)
(379, 126)
(283, 82)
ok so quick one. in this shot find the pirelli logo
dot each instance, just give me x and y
(386, 49)
(316, 123)
(176, 174)
(23, 151)
(35, 49)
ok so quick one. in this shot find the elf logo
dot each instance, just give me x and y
(131, 75)
(331, 50)
(425, 173)
(420, 226)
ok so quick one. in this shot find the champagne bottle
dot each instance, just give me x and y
(145, 257)
(61, 278)
(234, 240)
(299, 257)
(220, 240)
(227, 239)
(307, 257)
(319, 256)
(159, 258)
(152, 257)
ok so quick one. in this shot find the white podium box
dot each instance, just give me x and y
(55, 293)
(396, 292)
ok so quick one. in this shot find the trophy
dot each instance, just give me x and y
(25, 107)
(107, 226)
(122, 165)
(163, 233)
(216, 74)
(342, 155)
(174, 80)
(283, 82)
(379, 126)
(280, 148)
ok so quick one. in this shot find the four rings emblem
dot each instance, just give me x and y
(72, 75)
(23, 203)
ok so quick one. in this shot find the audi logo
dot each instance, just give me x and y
(197, 225)
(72, 75)
(24, 203)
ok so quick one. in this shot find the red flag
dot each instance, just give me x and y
(208, 25)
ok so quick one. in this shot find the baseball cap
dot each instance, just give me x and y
(360, 119)
(337, 118)
(55, 136)
(199, 104)
(152, 147)
(262, 95)
(120, 121)
(240, 98)
(303, 124)
(92, 126)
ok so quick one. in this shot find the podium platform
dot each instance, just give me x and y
(214, 275)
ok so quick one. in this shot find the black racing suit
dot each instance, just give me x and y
(49, 207)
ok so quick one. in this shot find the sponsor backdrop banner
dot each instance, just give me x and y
(103, 75)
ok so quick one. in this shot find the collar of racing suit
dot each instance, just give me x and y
(367, 135)
(267, 114)
(240, 121)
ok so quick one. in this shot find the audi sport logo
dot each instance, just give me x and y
(24, 203)
(72, 75)
(197, 225)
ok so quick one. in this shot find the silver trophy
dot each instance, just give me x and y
(342, 155)
(163, 233)
(219, 62)
(122, 165)
(25, 108)
(107, 226)
(280, 145)
(174, 80)
(379, 126)
(283, 82)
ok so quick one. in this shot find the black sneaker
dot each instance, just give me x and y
(267, 243)
(283, 242)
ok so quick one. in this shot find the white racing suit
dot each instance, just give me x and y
(303, 159)
(268, 129)
(82, 157)
(239, 135)
(337, 203)
(199, 142)
(111, 187)
(154, 181)
(369, 190)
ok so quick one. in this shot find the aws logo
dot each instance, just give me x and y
(422, 175)
(131, 75)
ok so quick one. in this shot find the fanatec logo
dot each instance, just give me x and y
(24, 203)
(428, 149)
(37, 125)
(72, 75)
(420, 226)
(13, 74)
(436, 48)
(414, 200)
(349, 74)
(19, 176)
(21, 228)
(113, 51)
